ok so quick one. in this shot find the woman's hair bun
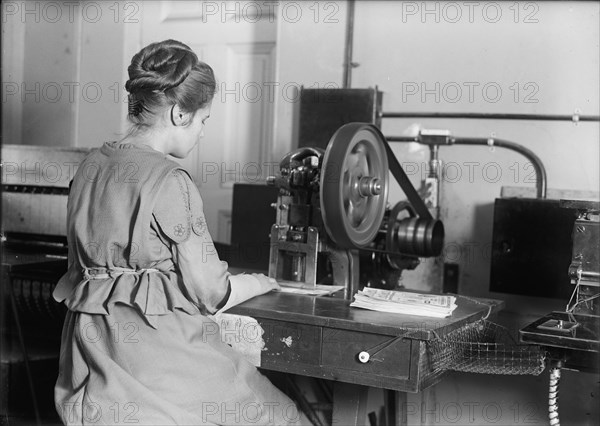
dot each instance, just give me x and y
(165, 74)
(160, 67)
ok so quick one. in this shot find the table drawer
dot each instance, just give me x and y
(287, 342)
(340, 349)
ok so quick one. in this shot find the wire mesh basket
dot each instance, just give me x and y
(485, 347)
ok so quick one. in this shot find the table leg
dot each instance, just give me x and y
(17, 320)
(349, 404)
(395, 407)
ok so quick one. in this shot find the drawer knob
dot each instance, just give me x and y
(364, 357)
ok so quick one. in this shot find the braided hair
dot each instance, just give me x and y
(164, 74)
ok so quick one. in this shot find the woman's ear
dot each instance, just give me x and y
(179, 117)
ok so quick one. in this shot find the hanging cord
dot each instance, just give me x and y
(365, 356)
(587, 299)
(570, 308)
(553, 396)
(489, 306)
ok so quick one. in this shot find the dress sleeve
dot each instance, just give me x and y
(173, 210)
(179, 213)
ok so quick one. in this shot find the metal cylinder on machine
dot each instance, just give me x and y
(418, 236)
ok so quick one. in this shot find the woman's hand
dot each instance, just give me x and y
(243, 288)
(266, 284)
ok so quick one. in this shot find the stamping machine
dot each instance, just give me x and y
(333, 224)
(572, 336)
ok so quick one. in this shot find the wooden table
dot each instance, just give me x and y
(322, 337)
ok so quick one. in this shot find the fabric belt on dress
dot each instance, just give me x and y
(105, 273)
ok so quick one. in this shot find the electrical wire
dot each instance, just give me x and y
(587, 299)
(570, 308)
(553, 396)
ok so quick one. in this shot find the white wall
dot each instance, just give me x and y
(65, 72)
(13, 40)
(310, 53)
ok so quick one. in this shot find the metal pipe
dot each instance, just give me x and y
(349, 45)
(469, 115)
(403, 139)
(540, 171)
(434, 161)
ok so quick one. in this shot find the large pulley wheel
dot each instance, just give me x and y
(354, 185)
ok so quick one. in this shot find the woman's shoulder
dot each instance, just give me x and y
(177, 204)
(134, 157)
(126, 163)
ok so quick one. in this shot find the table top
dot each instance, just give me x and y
(337, 313)
(326, 311)
(18, 261)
